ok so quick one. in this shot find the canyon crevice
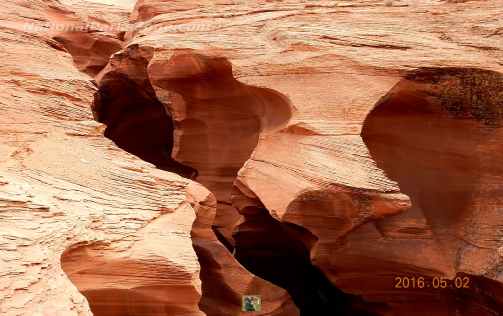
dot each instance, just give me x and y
(217, 122)
(176, 156)
(142, 125)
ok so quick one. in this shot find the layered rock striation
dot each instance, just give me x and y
(306, 152)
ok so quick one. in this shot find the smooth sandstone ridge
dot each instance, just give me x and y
(308, 152)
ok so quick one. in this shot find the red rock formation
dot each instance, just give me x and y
(90, 32)
(224, 279)
(350, 142)
(217, 122)
(137, 122)
(436, 134)
(72, 201)
(149, 277)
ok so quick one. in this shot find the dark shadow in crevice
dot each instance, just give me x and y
(219, 121)
(279, 252)
(221, 238)
(430, 134)
(137, 122)
(483, 297)
(426, 134)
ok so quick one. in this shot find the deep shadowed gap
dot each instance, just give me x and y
(218, 122)
(220, 112)
(278, 252)
(137, 122)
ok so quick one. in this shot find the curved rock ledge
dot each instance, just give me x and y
(437, 134)
(217, 122)
(308, 117)
(138, 122)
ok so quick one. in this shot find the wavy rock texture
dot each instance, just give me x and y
(334, 62)
(71, 201)
(90, 32)
(138, 122)
(218, 121)
(344, 144)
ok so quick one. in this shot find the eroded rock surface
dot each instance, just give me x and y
(335, 62)
(353, 141)
(90, 32)
(437, 134)
(72, 201)
(141, 124)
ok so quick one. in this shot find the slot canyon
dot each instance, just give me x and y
(170, 158)
(139, 123)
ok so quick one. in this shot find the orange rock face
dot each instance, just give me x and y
(335, 158)
(217, 122)
(76, 208)
(139, 123)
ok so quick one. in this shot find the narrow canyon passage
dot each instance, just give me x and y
(195, 158)
(218, 121)
(115, 282)
(279, 252)
(219, 130)
(437, 133)
(137, 122)
(210, 128)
